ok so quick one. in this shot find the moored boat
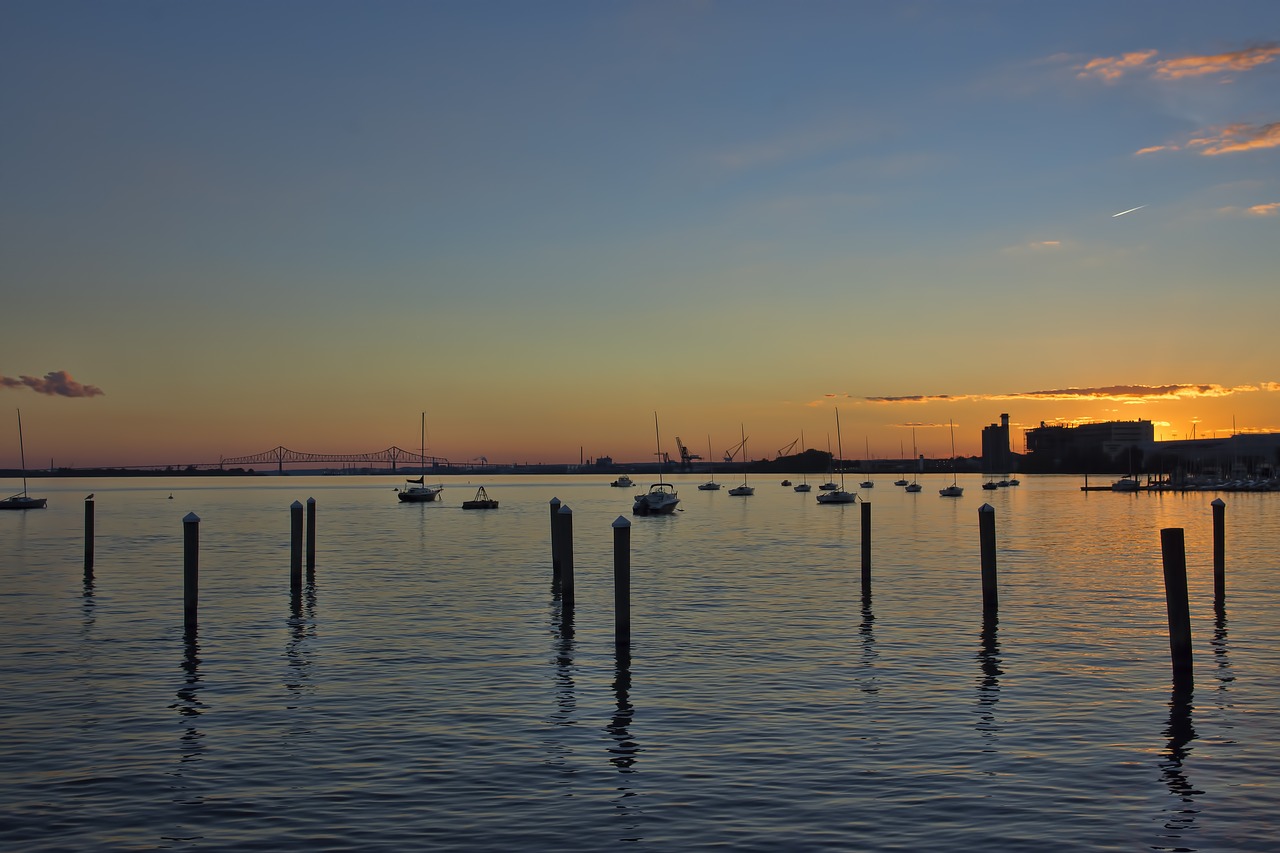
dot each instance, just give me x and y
(416, 489)
(837, 494)
(480, 501)
(22, 500)
(661, 499)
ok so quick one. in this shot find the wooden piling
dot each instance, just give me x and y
(311, 539)
(987, 538)
(866, 548)
(190, 568)
(566, 555)
(1219, 551)
(88, 538)
(295, 546)
(1174, 552)
(555, 540)
(621, 583)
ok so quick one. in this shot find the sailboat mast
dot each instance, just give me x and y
(22, 455)
(840, 448)
(657, 441)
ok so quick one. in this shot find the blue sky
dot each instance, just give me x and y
(303, 223)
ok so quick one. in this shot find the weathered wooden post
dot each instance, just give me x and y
(566, 555)
(866, 548)
(295, 546)
(621, 583)
(88, 538)
(190, 568)
(555, 540)
(311, 539)
(1173, 549)
(987, 537)
(1219, 551)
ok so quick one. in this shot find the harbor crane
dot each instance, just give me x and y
(686, 458)
(733, 451)
(784, 451)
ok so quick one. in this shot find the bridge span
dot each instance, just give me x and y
(392, 456)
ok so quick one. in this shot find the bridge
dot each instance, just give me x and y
(393, 456)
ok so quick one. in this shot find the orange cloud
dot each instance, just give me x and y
(1271, 208)
(1231, 139)
(1112, 68)
(1197, 66)
(1111, 393)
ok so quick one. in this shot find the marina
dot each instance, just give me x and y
(427, 690)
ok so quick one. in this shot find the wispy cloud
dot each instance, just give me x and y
(56, 383)
(1033, 246)
(1231, 139)
(1221, 63)
(1112, 68)
(1106, 393)
(1271, 208)
(1238, 137)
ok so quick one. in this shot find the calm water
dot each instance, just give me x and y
(427, 692)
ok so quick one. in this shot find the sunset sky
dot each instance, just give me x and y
(229, 226)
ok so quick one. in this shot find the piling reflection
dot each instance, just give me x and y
(867, 640)
(189, 707)
(623, 749)
(302, 629)
(1180, 821)
(566, 700)
(989, 681)
(1219, 644)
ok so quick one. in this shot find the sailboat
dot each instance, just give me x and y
(838, 496)
(954, 490)
(711, 485)
(22, 500)
(804, 478)
(743, 491)
(868, 483)
(830, 485)
(901, 481)
(661, 499)
(415, 489)
(915, 462)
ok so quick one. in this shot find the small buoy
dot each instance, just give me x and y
(171, 496)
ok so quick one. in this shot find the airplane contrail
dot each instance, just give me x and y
(1130, 210)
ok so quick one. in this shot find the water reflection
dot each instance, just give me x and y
(1219, 644)
(566, 710)
(1181, 820)
(189, 707)
(623, 748)
(867, 639)
(989, 683)
(302, 627)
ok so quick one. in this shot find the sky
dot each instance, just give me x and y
(235, 225)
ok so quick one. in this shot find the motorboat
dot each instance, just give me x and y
(623, 482)
(661, 499)
(1126, 484)
(480, 501)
